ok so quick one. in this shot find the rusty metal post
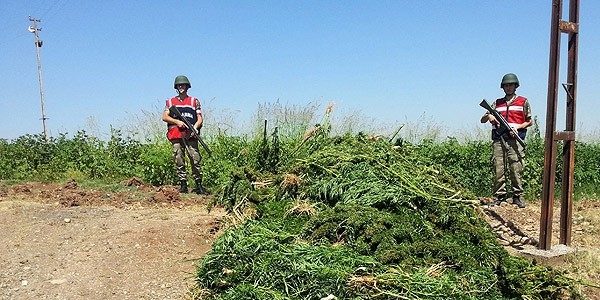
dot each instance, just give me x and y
(566, 207)
(549, 142)
(568, 136)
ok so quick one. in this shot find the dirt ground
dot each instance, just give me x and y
(519, 231)
(61, 241)
(64, 242)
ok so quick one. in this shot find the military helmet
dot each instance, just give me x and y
(181, 79)
(509, 78)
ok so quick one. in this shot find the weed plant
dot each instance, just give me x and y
(379, 222)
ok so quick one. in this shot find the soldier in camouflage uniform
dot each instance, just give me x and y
(508, 155)
(180, 137)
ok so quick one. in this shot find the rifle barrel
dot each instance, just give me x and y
(178, 114)
(503, 123)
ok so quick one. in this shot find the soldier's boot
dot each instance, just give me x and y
(183, 188)
(499, 200)
(517, 201)
(200, 190)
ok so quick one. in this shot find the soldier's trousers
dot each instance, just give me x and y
(179, 152)
(508, 158)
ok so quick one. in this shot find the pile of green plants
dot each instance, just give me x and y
(354, 217)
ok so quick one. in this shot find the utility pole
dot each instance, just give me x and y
(38, 44)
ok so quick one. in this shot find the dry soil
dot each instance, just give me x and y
(64, 242)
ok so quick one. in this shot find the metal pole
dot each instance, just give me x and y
(568, 135)
(566, 206)
(550, 143)
(38, 45)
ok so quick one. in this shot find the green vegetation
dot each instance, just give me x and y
(349, 215)
(357, 218)
(82, 156)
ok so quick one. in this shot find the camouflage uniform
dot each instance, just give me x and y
(187, 107)
(508, 156)
(179, 150)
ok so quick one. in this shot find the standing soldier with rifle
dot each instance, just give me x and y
(185, 139)
(508, 147)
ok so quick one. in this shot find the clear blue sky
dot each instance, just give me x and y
(395, 61)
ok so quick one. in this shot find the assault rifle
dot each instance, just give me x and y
(174, 111)
(504, 126)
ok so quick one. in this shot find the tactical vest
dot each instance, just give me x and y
(513, 113)
(187, 107)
